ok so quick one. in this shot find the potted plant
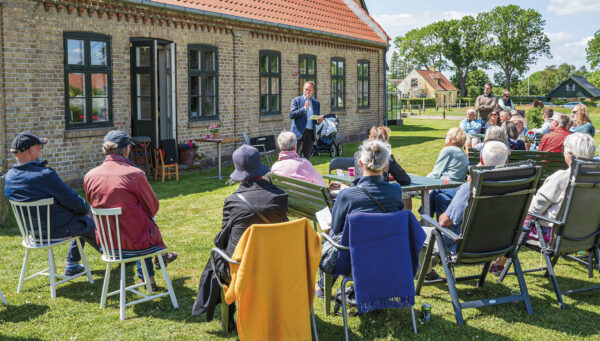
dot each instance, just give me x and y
(214, 131)
(187, 153)
(528, 138)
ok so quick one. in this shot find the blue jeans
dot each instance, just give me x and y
(149, 266)
(86, 232)
(148, 261)
(439, 200)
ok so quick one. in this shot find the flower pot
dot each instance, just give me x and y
(186, 156)
(216, 135)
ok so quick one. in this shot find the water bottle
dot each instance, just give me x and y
(426, 312)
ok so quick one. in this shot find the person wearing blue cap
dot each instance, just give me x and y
(30, 180)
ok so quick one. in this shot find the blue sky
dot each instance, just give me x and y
(569, 23)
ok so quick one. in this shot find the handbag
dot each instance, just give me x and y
(222, 238)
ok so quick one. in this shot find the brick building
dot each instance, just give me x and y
(71, 70)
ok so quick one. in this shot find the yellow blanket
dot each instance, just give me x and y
(275, 283)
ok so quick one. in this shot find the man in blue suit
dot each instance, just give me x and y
(302, 108)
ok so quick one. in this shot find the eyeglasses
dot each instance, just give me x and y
(506, 96)
(493, 114)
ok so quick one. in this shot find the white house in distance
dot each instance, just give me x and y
(429, 84)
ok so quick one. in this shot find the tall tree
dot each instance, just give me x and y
(476, 79)
(395, 65)
(593, 51)
(594, 78)
(462, 45)
(422, 47)
(516, 39)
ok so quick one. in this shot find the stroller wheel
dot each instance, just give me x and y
(332, 150)
(340, 149)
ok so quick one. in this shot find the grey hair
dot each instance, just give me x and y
(471, 110)
(375, 155)
(505, 112)
(112, 148)
(580, 145)
(562, 119)
(511, 129)
(286, 141)
(494, 153)
(514, 112)
(495, 133)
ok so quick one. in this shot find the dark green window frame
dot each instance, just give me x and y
(88, 73)
(338, 83)
(304, 74)
(269, 82)
(363, 72)
(198, 100)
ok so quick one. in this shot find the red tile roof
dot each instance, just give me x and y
(432, 78)
(329, 16)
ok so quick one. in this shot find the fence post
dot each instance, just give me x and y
(444, 113)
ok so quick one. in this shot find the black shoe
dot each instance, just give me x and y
(432, 276)
(152, 285)
(74, 271)
(167, 257)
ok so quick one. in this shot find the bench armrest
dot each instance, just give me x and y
(212, 261)
(553, 221)
(440, 229)
(336, 245)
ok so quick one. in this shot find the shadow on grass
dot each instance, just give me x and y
(21, 313)
(5, 337)
(163, 308)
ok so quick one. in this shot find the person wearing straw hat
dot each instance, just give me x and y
(256, 201)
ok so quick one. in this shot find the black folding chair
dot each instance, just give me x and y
(577, 227)
(486, 231)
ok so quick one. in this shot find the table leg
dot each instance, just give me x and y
(219, 151)
(425, 205)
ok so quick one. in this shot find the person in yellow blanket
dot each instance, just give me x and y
(274, 285)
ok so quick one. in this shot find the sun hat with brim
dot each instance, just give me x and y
(248, 164)
(26, 140)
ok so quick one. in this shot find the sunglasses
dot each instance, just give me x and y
(493, 114)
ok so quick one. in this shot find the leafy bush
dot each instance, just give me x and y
(534, 118)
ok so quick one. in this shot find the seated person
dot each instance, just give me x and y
(291, 165)
(520, 124)
(582, 121)
(545, 128)
(471, 126)
(494, 120)
(504, 116)
(494, 153)
(266, 199)
(504, 102)
(452, 162)
(513, 136)
(117, 182)
(31, 180)
(374, 160)
(548, 198)
(553, 141)
(495, 133)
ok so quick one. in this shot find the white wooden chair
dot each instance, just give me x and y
(27, 225)
(110, 240)
(2, 298)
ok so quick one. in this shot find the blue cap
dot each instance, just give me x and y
(119, 137)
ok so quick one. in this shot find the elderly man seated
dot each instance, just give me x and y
(494, 153)
(548, 199)
(471, 126)
(292, 165)
(553, 141)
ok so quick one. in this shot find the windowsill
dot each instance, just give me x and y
(338, 111)
(90, 132)
(363, 110)
(203, 124)
(270, 118)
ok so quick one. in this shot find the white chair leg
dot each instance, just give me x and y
(84, 259)
(414, 322)
(146, 277)
(168, 282)
(51, 272)
(105, 286)
(2, 297)
(23, 271)
(122, 292)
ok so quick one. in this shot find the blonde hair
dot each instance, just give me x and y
(112, 148)
(375, 155)
(457, 137)
(381, 133)
(581, 114)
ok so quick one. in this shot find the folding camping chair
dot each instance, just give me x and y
(491, 225)
(577, 227)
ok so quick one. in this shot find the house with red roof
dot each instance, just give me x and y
(73, 70)
(429, 84)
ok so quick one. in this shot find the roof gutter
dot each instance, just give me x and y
(246, 20)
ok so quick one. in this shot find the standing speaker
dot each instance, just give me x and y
(170, 148)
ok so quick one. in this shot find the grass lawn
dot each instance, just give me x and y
(190, 216)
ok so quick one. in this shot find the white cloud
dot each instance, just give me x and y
(570, 7)
(399, 23)
(565, 48)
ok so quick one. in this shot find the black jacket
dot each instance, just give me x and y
(393, 168)
(271, 202)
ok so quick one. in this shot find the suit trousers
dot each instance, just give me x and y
(306, 143)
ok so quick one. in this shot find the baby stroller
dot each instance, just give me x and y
(326, 137)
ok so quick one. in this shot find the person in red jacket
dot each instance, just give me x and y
(117, 182)
(553, 141)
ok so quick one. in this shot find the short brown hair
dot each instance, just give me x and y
(548, 112)
(311, 83)
(381, 133)
(457, 136)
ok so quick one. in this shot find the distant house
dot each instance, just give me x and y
(574, 88)
(429, 84)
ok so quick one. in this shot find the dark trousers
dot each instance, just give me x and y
(306, 143)
(86, 231)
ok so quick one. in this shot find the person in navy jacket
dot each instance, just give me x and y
(301, 109)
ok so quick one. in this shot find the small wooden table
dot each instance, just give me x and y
(219, 142)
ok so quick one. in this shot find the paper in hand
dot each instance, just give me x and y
(324, 218)
(315, 117)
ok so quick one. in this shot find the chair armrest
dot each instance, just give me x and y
(553, 221)
(336, 245)
(441, 229)
(212, 261)
(264, 149)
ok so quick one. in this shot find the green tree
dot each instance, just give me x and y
(594, 78)
(476, 79)
(462, 43)
(515, 39)
(593, 51)
(422, 47)
(395, 65)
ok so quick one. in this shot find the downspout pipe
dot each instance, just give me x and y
(246, 20)
(385, 94)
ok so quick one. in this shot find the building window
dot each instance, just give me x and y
(270, 82)
(362, 77)
(338, 86)
(307, 71)
(414, 83)
(88, 80)
(203, 82)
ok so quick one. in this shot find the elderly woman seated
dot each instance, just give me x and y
(512, 132)
(238, 214)
(582, 121)
(291, 165)
(548, 199)
(504, 116)
(374, 160)
(494, 133)
(452, 162)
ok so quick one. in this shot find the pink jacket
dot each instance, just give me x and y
(293, 166)
(118, 183)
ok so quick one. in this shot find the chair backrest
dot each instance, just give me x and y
(304, 198)
(107, 227)
(170, 148)
(33, 219)
(342, 163)
(158, 158)
(265, 140)
(497, 206)
(581, 222)
(246, 138)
